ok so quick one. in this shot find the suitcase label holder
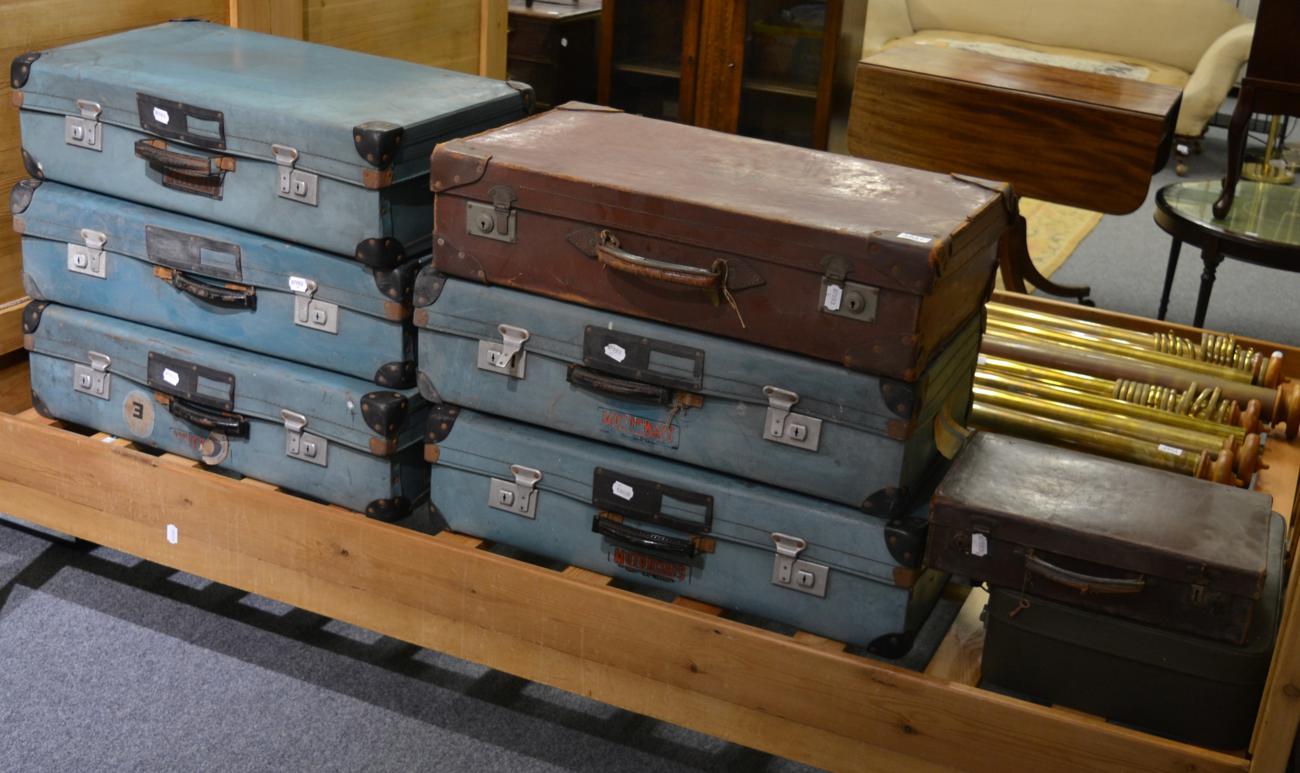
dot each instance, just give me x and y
(791, 429)
(89, 259)
(619, 498)
(93, 379)
(507, 357)
(790, 571)
(518, 497)
(85, 130)
(300, 444)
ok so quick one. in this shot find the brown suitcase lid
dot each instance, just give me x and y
(1109, 512)
(763, 200)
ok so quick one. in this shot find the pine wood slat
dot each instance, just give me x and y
(715, 675)
(958, 656)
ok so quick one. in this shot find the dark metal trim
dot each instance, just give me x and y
(442, 417)
(20, 196)
(396, 375)
(380, 252)
(389, 510)
(905, 540)
(32, 315)
(900, 398)
(377, 142)
(33, 167)
(383, 412)
(21, 68)
(428, 287)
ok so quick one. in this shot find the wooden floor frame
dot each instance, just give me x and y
(797, 696)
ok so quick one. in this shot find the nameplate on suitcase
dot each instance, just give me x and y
(643, 359)
(190, 252)
(647, 500)
(191, 381)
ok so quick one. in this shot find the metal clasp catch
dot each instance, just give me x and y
(300, 444)
(309, 312)
(507, 357)
(93, 379)
(789, 571)
(294, 184)
(519, 497)
(85, 130)
(791, 429)
(89, 259)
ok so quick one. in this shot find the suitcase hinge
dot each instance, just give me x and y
(789, 571)
(791, 429)
(844, 298)
(507, 357)
(519, 497)
(93, 379)
(496, 221)
(302, 445)
(89, 259)
(294, 184)
(309, 312)
(85, 130)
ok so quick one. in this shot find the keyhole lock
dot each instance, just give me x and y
(854, 302)
(485, 223)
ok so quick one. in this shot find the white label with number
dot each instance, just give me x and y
(297, 284)
(979, 545)
(171, 376)
(615, 352)
(916, 238)
(1170, 449)
(622, 490)
(161, 116)
(173, 534)
(834, 296)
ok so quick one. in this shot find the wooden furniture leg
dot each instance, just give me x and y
(1211, 257)
(1018, 268)
(1169, 277)
(1236, 149)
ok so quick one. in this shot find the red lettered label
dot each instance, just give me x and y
(650, 566)
(638, 428)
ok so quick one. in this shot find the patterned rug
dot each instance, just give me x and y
(1054, 231)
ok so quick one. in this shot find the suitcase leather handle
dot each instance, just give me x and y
(232, 424)
(626, 389)
(230, 296)
(157, 154)
(640, 538)
(611, 255)
(1084, 583)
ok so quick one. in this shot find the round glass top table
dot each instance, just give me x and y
(1263, 227)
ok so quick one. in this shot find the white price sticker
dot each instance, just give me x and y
(834, 296)
(615, 352)
(161, 116)
(171, 376)
(108, 439)
(622, 490)
(916, 238)
(979, 545)
(1170, 449)
(173, 534)
(297, 284)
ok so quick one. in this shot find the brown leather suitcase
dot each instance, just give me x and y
(870, 265)
(1144, 544)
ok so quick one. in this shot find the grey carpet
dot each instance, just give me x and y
(1124, 258)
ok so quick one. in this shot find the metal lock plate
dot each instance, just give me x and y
(93, 379)
(791, 429)
(90, 258)
(293, 184)
(309, 312)
(849, 299)
(302, 445)
(790, 571)
(495, 220)
(518, 496)
(506, 357)
(85, 130)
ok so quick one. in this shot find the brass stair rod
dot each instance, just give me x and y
(1151, 454)
(1095, 402)
(1276, 403)
(1010, 328)
(1120, 425)
(1082, 382)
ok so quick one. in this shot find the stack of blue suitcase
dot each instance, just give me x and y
(220, 236)
(766, 482)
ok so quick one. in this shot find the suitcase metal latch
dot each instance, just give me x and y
(494, 221)
(519, 497)
(789, 571)
(84, 131)
(93, 379)
(294, 184)
(309, 312)
(89, 259)
(507, 357)
(299, 444)
(791, 429)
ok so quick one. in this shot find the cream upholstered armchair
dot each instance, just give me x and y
(1196, 45)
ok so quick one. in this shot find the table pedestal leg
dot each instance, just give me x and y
(1169, 277)
(1211, 257)
(1018, 268)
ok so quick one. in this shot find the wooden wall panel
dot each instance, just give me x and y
(442, 34)
(276, 17)
(32, 25)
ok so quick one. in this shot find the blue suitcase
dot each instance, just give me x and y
(795, 422)
(303, 142)
(183, 274)
(332, 437)
(753, 549)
